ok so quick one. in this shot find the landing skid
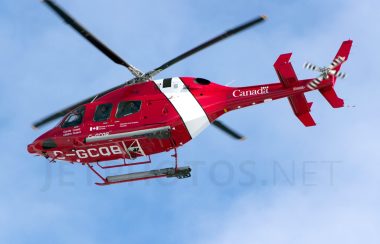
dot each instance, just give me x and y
(178, 172)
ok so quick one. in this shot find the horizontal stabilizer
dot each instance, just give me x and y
(306, 119)
(301, 109)
(285, 71)
(330, 95)
(288, 78)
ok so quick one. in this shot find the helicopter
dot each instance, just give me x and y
(146, 116)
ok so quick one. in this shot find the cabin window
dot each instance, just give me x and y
(202, 81)
(127, 107)
(167, 83)
(74, 118)
(103, 112)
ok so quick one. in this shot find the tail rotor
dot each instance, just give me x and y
(325, 72)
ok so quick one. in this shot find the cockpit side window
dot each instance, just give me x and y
(127, 107)
(202, 81)
(167, 83)
(74, 118)
(103, 112)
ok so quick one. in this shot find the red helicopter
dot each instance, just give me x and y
(143, 116)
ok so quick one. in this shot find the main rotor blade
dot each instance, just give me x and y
(140, 77)
(228, 130)
(214, 40)
(92, 39)
(64, 111)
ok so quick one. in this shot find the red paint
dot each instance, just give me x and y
(157, 111)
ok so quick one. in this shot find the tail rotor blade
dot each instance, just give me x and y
(339, 60)
(340, 75)
(311, 66)
(314, 83)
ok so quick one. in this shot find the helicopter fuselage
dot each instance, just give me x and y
(184, 105)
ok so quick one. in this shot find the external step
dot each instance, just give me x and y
(180, 173)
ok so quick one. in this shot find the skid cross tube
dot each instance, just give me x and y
(96, 172)
(175, 155)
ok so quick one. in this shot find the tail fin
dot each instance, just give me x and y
(343, 52)
(329, 92)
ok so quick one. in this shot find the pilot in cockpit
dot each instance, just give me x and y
(127, 108)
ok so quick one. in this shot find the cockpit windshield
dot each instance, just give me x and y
(74, 118)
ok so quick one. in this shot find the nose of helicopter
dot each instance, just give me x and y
(41, 145)
(31, 148)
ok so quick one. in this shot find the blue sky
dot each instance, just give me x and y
(285, 183)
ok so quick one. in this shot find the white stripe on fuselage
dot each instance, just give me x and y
(187, 106)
